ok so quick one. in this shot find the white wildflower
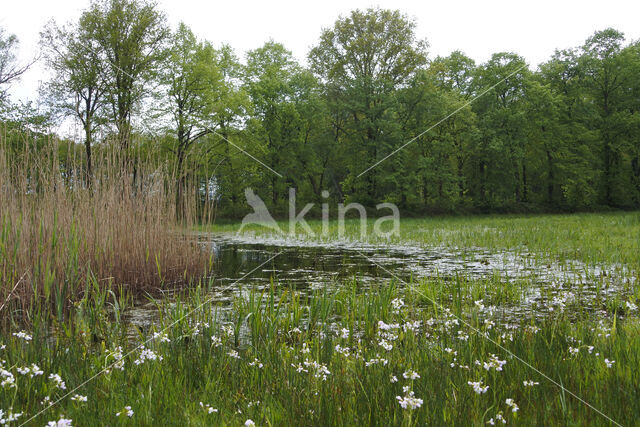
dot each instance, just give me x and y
(299, 368)
(409, 401)
(126, 411)
(228, 330)
(411, 326)
(117, 357)
(498, 417)
(305, 348)
(411, 375)
(162, 337)
(32, 371)
(384, 344)
(23, 335)
(208, 408)
(342, 350)
(532, 329)
(8, 380)
(512, 404)
(387, 327)
(376, 361)
(62, 422)
(319, 370)
(58, 381)
(9, 417)
(478, 387)
(495, 363)
(397, 304)
(256, 363)
(147, 354)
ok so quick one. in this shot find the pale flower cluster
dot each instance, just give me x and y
(409, 401)
(478, 386)
(147, 354)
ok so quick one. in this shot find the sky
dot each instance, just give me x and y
(478, 28)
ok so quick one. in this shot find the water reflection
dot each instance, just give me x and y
(306, 266)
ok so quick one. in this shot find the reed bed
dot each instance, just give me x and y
(61, 232)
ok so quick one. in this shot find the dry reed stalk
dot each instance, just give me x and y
(122, 228)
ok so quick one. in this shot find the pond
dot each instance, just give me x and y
(246, 262)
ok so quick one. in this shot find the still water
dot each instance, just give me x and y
(245, 262)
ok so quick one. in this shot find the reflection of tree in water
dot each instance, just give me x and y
(302, 266)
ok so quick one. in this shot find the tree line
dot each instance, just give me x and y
(370, 118)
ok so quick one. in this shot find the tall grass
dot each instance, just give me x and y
(58, 234)
(333, 358)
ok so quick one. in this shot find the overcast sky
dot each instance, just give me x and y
(533, 29)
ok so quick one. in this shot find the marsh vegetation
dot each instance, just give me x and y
(130, 294)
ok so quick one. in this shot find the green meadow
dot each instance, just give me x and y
(136, 287)
(405, 352)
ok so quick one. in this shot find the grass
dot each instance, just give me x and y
(595, 238)
(435, 351)
(277, 357)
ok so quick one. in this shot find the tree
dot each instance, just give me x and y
(631, 61)
(78, 85)
(500, 155)
(10, 69)
(455, 72)
(131, 34)
(275, 122)
(362, 61)
(232, 106)
(605, 80)
(192, 81)
(561, 116)
(432, 168)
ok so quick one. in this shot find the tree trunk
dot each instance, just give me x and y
(87, 147)
(460, 178)
(525, 192)
(550, 177)
(180, 185)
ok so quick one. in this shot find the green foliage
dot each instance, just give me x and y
(130, 36)
(370, 120)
